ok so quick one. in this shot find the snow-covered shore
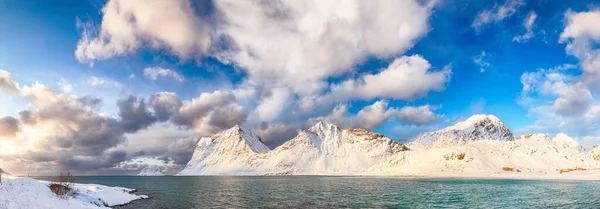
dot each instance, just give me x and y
(25, 193)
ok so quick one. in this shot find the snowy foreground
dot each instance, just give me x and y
(25, 193)
(479, 147)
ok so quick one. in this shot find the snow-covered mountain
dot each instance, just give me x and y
(151, 170)
(475, 128)
(327, 149)
(533, 155)
(231, 152)
(322, 149)
(481, 146)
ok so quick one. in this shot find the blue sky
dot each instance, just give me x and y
(233, 64)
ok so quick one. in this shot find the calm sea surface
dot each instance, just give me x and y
(351, 192)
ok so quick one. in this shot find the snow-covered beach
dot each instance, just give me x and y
(26, 193)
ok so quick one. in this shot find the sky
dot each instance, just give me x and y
(107, 87)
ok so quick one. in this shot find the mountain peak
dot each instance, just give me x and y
(474, 120)
(565, 141)
(323, 127)
(239, 133)
(476, 127)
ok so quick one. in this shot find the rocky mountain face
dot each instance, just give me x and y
(151, 170)
(477, 127)
(322, 149)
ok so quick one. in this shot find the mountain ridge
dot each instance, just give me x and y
(476, 127)
(324, 148)
(479, 146)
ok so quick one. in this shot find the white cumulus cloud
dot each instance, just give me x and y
(128, 25)
(153, 73)
(406, 78)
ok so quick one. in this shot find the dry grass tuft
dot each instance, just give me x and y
(64, 187)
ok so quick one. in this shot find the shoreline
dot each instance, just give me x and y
(17, 192)
(516, 176)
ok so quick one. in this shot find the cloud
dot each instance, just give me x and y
(591, 138)
(9, 127)
(134, 114)
(573, 99)
(64, 123)
(300, 44)
(406, 78)
(478, 60)
(378, 113)
(562, 100)
(101, 82)
(65, 86)
(7, 84)
(180, 151)
(211, 112)
(559, 101)
(274, 103)
(64, 132)
(582, 36)
(528, 24)
(275, 134)
(207, 114)
(420, 115)
(496, 13)
(165, 105)
(153, 73)
(128, 25)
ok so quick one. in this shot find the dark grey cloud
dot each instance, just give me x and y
(180, 151)
(91, 101)
(27, 117)
(165, 105)
(9, 127)
(77, 138)
(134, 114)
(275, 134)
(207, 114)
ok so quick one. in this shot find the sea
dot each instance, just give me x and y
(175, 192)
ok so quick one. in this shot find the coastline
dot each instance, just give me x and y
(18, 192)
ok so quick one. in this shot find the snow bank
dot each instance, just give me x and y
(25, 193)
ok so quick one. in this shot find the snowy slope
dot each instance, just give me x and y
(327, 149)
(477, 127)
(536, 156)
(233, 151)
(322, 149)
(151, 170)
(595, 152)
(18, 193)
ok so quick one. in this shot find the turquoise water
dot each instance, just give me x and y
(352, 192)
